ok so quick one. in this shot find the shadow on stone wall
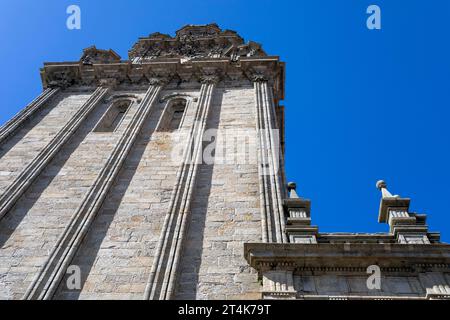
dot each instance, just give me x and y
(87, 253)
(28, 125)
(191, 259)
(15, 216)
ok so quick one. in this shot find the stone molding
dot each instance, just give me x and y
(277, 264)
(125, 73)
(124, 96)
(53, 270)
(269, 156)
(163, 274)
(176, 95)
(37, 165)
(10, 127)
(337, 256)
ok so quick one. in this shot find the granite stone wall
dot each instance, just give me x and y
(117, 253)
(225, 211)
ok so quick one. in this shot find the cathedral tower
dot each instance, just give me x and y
(144, 172)
(162, 177)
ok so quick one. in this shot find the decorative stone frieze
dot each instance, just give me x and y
(126, 73)
(337, 268)
(340, 255)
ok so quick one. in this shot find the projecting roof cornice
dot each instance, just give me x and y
(66, 74)
(342, 256)
(194, 52)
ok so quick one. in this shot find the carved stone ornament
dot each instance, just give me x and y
(258, 74)
(93, 55)
(60, 78)
(194, 41)
(209, 78)
(203, 53)
(158, 81)
(258, 78)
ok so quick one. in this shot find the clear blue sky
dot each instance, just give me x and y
(361, 105)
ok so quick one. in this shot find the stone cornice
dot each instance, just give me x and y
(67, 74)
(343, 237)
(182, 58)
(336, 256)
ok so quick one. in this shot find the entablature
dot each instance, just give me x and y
(341, 256)
(67, 74)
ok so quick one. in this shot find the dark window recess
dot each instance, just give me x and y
(173, 117)
(176, 119)
(113, 117)
(118, 120)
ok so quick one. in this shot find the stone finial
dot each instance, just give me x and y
(381, 185)
(292, 187)
(390, 205)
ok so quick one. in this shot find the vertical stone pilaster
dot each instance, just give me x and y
(163, 275)
(33, 169)
(18, 120)
(272, 213)
(54, 268)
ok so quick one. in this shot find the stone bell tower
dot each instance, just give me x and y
(92, 184)
(162, 177)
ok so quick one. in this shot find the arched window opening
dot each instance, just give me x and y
(113, 117)
(173, 116)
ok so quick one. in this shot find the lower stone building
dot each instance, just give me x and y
(162, 177)
(408, 262)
